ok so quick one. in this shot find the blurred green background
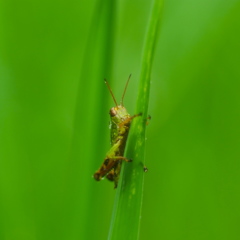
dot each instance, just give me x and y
(54, 117)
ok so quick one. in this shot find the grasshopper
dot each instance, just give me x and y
(119, 125)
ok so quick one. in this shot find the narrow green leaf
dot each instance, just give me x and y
(127, 210)
(90, 104)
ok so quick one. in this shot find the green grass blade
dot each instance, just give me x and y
(127, 210)
(90, 104)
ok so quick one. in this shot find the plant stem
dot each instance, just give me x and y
(126, 217)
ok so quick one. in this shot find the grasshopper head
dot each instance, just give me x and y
(119, 112)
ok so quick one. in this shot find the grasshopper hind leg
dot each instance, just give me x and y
(111, 168)
(110, 175)
(114, 174)
(104, 169)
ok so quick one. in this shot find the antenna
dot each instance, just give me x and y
(110, 90)
(125, 89)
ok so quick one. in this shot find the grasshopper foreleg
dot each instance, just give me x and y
(121, 158)
(128, 120)
(148, 118)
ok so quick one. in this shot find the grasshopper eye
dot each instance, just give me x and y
(112, 112)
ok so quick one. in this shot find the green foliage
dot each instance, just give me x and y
(54, 117)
